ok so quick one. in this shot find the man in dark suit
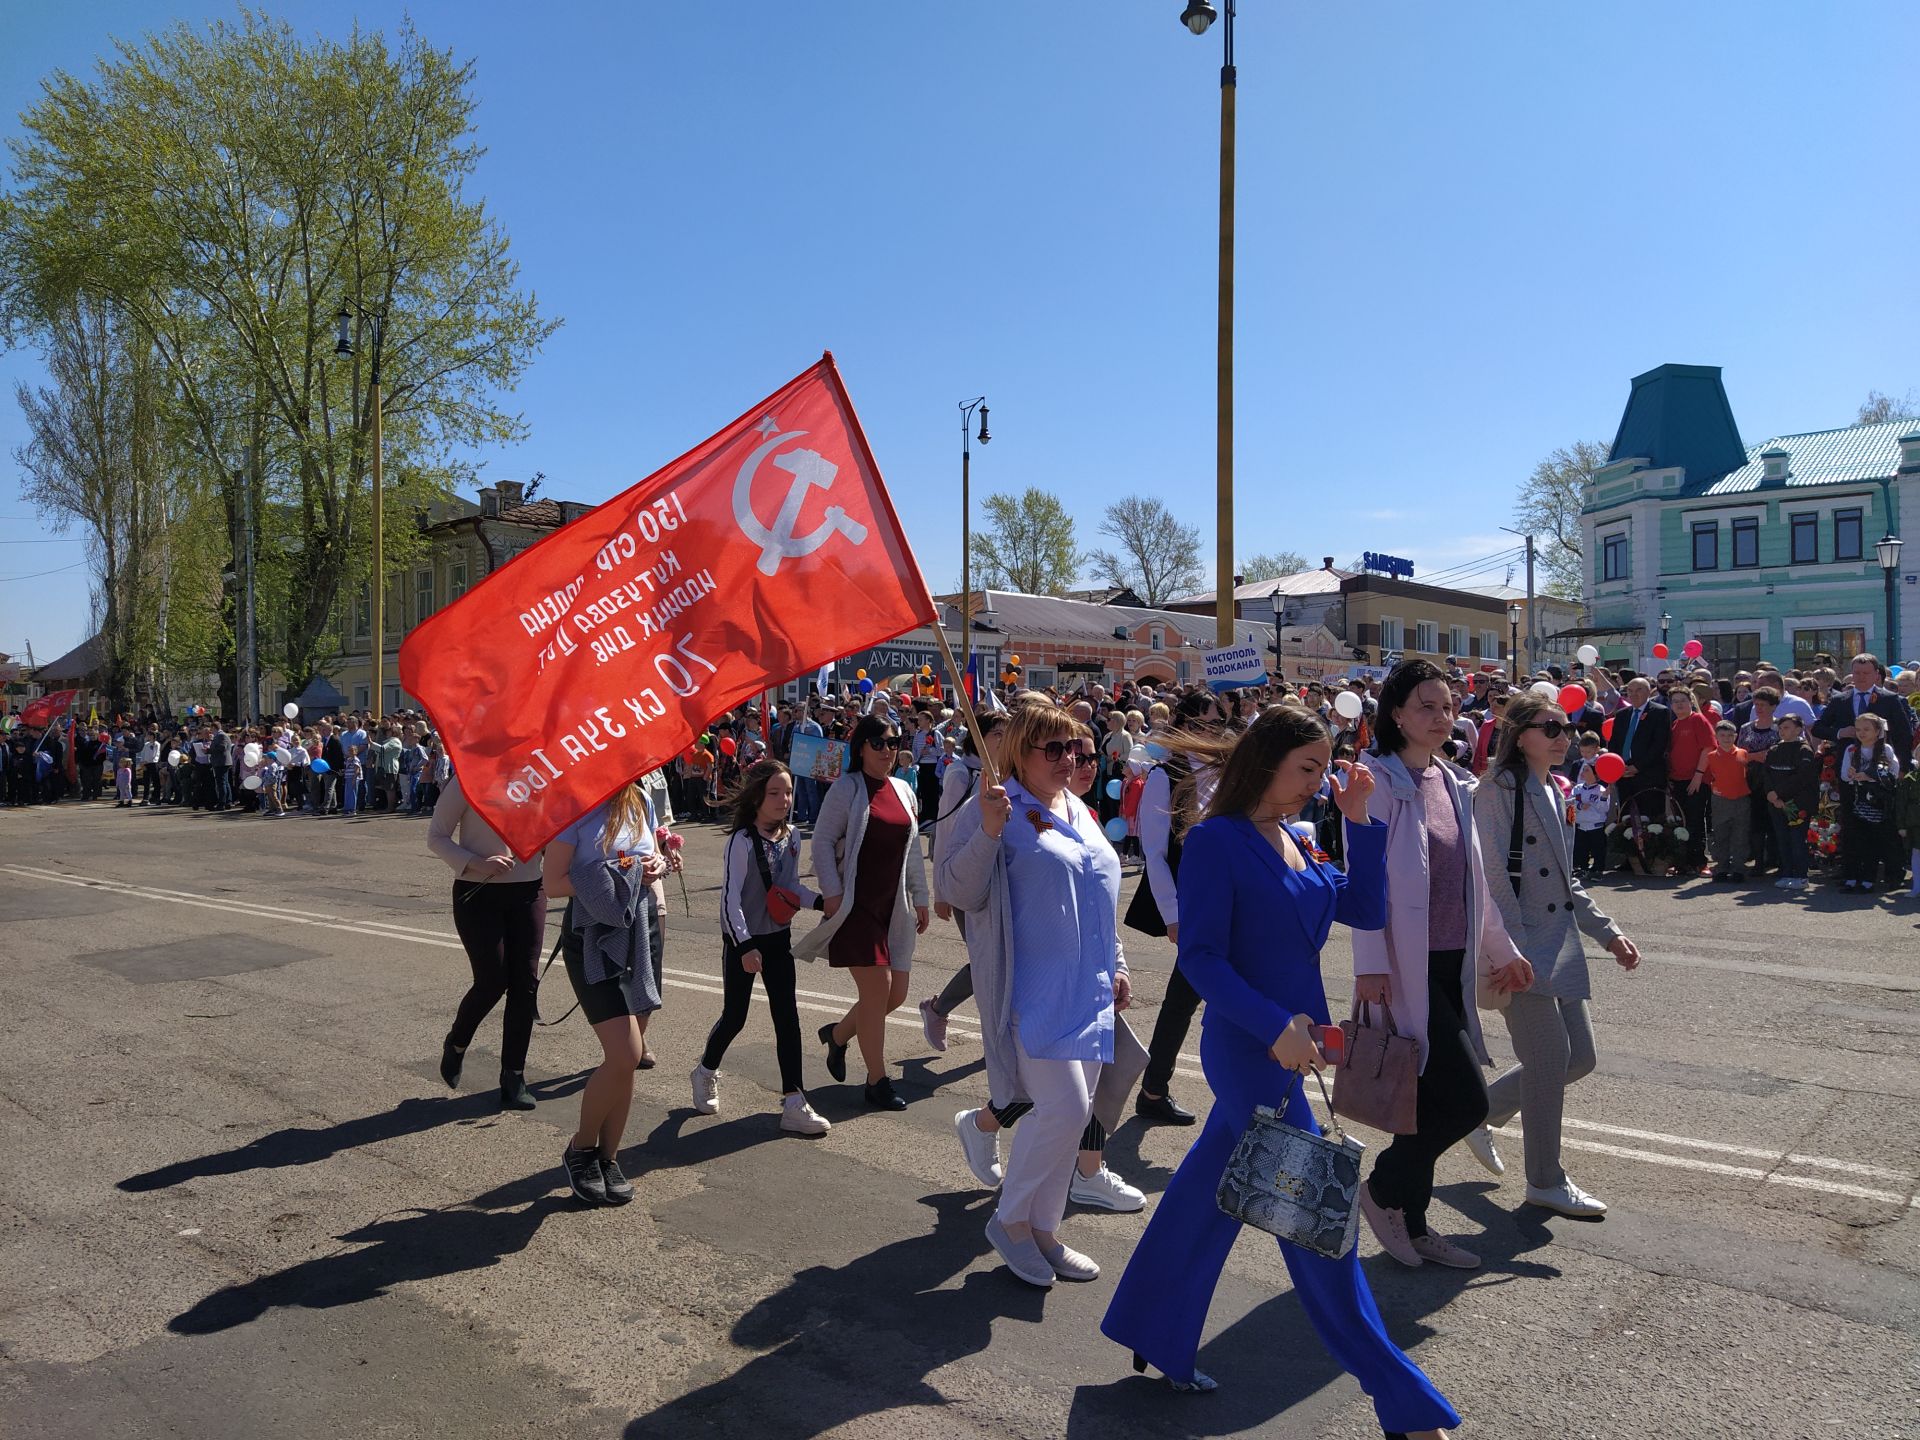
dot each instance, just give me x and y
(1641, 730)
(1868, 692)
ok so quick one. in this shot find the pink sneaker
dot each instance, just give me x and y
(1389, 1228)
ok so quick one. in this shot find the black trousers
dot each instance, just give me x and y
(1169, 1032)
(776, 971)
(1590, 849)
(1450, 1103)
(502, 925)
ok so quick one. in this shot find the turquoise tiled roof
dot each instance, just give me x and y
(1820, 457)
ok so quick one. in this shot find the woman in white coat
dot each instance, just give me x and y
(1444, 947)
(873, 888)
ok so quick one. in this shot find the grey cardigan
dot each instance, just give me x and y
(838, 831)
(973, 878)
(1552, 909)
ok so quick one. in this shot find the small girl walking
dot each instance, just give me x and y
(1869, 770)
(761, 870)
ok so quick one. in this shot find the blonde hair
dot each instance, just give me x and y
(627, 811)
(1035, 722)
(1158, 713)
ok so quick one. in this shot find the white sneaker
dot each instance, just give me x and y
(1023, 1257)
(1068, 1263)
(1567, 1198)
(933, 1025)
(1799, 882)
(981, 1150)
(1480, 1142)
(706, 1090)
(1785, 882)
(797, 1117)
(1389, 1228)
(1106, 1191)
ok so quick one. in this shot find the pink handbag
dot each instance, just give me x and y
(1378, 1079)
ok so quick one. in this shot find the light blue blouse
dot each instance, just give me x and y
(1063, 883)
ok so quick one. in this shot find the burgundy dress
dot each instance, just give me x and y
(862, 936)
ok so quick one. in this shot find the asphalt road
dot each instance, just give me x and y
(237, 1202)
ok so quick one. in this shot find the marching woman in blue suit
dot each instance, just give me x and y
(1256, 905)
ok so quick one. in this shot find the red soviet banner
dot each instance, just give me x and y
(49, 707)
(603, 650)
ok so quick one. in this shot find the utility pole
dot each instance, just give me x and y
(1533, 614)
(249, 652)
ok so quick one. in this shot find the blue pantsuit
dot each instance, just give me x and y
(1251, 929)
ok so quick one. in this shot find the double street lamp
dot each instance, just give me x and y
(344, 347)
(1198, 17)
(1889, 553)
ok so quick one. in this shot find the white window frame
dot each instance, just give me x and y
(422, 585)
(1157, 640)
(1423, 632)
(1039, 677)
(456, 577)
(1490, 645)
(1459, 641)
(1394, 638)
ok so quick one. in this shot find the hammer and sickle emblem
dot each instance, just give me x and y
(777, 541)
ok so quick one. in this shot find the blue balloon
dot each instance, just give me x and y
(1896, 671)
(866, 687)
(1114, 787)
(1116, 829)
(1158, 752)
(320, 767)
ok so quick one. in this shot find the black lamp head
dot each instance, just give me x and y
(1198, 16)
(983, 436)
(344, 344)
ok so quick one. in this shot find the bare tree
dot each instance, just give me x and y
(1877, 408)
(1272, 565)
(1548, 507)
(1027, 544)
(1158, 558)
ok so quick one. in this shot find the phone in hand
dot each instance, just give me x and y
(1332, 1041)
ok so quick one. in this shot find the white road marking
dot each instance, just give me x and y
(830, 1003)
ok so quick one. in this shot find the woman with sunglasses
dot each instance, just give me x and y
(1545, 910)
(1041, 887)
(873, 888)
(1443, 943)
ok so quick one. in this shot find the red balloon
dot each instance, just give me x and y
(727, 747)
(1610, 767)
(1659, 652)
(1606, 728)
(1572, 697)
(1693, 650)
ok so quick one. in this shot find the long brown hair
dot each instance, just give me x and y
(1522, 711)
(1245, 759)
(627, 811)
(746, 798)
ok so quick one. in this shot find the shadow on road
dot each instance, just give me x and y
(306, 1146)
(409, 1245)
(857, 1339)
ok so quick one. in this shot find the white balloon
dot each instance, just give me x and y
(1546, 690)
(1587, 655)
(1138, 756)
(173, 758)
(252, 752)
(1348, 705)
(283, 755)
(290, 710)
(252, 782)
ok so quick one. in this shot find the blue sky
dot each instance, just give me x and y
(1462, 229)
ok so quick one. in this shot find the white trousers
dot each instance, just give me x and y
(1047, 1139)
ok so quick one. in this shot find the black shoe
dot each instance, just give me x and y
(582, 1168)
(880, 1096)
(1162, 1109)
(619, 1189)
(836, 1055)
(514, 1094)
(451, 1056)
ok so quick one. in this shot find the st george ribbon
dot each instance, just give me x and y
(600, 652)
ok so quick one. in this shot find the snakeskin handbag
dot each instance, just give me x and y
(1291, 1183)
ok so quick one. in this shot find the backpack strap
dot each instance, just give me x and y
(1516, 840)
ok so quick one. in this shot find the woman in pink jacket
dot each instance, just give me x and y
(1444, 947)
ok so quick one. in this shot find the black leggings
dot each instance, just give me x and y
(1450, 1103)
(503, 925)
(776, 970)
(1169, 1032)
(1094, 1137)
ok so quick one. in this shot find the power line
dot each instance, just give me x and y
(38, 573)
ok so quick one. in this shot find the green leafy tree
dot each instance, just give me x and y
(1271, 565)
(1548, 507)
(1027, 544)
(226, 191)
(1157, 558)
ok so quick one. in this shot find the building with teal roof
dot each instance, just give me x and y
(1760, 552)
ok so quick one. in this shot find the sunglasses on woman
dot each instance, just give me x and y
(1058, 750)
(1552, 729)
(884, 742)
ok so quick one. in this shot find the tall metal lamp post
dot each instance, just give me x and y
(1513, 642)
(1666, 624)
(1889, 552)
(967, 407)
(344, 346)
(1198, 17)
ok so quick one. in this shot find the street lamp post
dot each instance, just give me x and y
(967, 407)
(1198, 17)
(1889, 552)
(1666, 624)
(343, 346)
(1513, 642)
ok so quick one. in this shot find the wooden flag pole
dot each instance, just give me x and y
(988, 770)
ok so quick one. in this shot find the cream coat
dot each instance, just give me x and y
(837, 834)
(1400, 951)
